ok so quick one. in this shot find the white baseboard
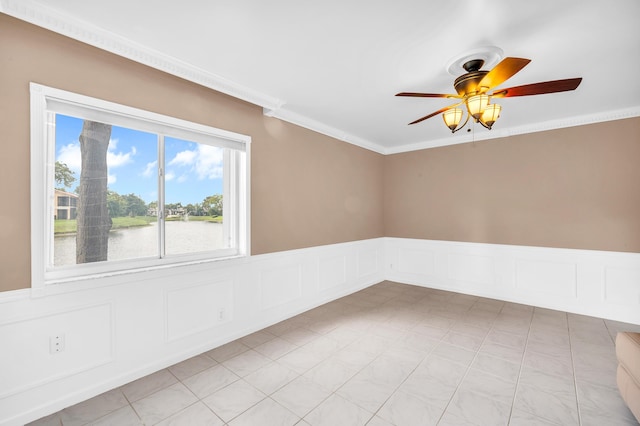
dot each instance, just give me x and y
(121, 328)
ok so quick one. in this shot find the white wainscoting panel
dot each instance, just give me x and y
(333, 271)
(589, 282)
(553, 278)
(120, 328)
(368, 262)
(201, 306)
(85, 334)
(416, 261)
(279, 286)
(622, 285)
(471, 268)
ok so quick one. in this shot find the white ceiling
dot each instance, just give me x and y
(335, 65)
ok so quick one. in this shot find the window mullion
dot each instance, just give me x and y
(161, 197)
(227, 200)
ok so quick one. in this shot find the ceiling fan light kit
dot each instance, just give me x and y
(473, 90)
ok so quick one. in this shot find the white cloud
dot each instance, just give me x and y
(169, 176)
(118, 159)
(209, 162)
(70, 155)
(183, 158)
(150, 169)
(183, 178)
(205, 161)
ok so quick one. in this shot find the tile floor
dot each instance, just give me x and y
(391, 354)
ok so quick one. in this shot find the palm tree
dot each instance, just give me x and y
(94, 223)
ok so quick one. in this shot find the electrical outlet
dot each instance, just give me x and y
(56, 343)
(221, 315)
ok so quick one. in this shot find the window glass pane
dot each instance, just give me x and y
(194, 175)
(105, 196)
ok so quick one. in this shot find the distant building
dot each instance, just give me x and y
(65, 205)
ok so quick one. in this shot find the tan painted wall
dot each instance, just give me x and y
(577, 187)
(307, 189)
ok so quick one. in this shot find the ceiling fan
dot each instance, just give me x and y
(473, 90)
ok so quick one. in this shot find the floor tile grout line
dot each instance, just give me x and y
(400, 384)
(539, 321)
(469, 366)
(524, 354)
(334, 392)
(573, 370)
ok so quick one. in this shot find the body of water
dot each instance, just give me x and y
(130, 243)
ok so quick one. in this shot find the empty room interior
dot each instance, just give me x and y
(334, 213)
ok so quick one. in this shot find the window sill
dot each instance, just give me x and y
(118, 277)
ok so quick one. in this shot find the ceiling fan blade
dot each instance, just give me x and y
(506, 69)
(427, 95)
(539, 88)
(440, 111)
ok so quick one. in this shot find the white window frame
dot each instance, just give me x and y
(46, 101)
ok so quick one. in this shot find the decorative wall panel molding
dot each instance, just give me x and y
(191, 310)
(368, 262)
(121, 328)
(45, 348)
(332, 271)
(416, 261)
(588, 282)
(281, 285)
(622, 285)
(471, 268)
(555, 279)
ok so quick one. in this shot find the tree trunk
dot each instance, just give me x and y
(93, 218)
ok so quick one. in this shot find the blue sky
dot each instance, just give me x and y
(193, 171)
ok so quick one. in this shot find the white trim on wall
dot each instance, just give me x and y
(463, 137)
(589, 282)
(139, 323)
(49, 18)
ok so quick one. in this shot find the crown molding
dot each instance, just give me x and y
(317, 126)
(50, 19)
(580, 120)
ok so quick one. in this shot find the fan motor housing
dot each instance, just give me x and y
(468, 83)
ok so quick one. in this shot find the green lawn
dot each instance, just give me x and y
(62, 226)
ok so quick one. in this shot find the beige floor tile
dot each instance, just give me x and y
(94, 408)
(301, 395)
(163, 404)
(191, 366)
(210, 380)
(271, 377)
(194, 415)
(336, 410)
(149, 384)
(231, 401)
(392, 354)
(125, 416)
(266, 413)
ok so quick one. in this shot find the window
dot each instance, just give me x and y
(116, 189)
